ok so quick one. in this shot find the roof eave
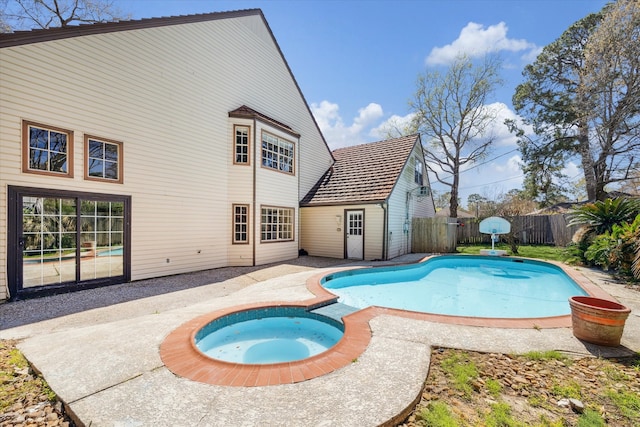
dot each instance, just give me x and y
(43, 35)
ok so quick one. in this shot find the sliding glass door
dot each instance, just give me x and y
(63, 240)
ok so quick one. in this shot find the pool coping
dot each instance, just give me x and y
(314, 285)
(181, 356)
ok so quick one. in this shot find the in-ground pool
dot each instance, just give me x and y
(268, 335)
(458, 285)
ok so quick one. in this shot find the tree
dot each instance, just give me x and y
(610, 92)
(441, 200)
(28, 14)
(473, 203)
(513, 204)
(632, 184)
(581, 97)
(451, 115)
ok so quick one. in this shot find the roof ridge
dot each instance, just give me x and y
(38, 35)
(368, 144)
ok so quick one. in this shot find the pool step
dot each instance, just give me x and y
(335, 311)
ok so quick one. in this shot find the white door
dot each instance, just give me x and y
(355, 234)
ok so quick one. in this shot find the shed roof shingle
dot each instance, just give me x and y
(363, 173)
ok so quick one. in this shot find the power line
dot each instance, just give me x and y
(493, 182)
(487, 161)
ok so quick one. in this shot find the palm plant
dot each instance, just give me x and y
(609, 236)
(600, 217)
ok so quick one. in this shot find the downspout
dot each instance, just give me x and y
(296, 169)
(253, 204)
(405, 226)
(385, 224)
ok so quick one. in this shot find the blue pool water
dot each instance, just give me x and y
(476, 286)
(269, 335)
(112, 252)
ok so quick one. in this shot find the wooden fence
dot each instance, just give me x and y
(433, 235)
(441, 234)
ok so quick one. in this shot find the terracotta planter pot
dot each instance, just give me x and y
(598, 321)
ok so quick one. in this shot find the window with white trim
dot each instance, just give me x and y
(103, 159)
(419, 172)
(276, 224)
(240, 224)
(241, 145)
(47, 150)
(277, 153)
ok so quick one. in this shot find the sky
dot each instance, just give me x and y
(357, 61)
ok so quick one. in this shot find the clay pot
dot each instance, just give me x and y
(598, 321)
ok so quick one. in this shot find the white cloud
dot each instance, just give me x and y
(510, 168)
(393, 126)
(572, 171)
(336, 132)
(475, 40)
(500, 131)
(366, 116)
(531, 56)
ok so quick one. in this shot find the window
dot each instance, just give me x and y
(277, 153)
(103, 159)
(276, 224)
(47, 150)
(240, 224)
(418, 172)
(241, 150)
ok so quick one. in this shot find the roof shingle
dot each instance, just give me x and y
(363, 173)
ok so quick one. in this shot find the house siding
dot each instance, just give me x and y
(404, 204)
(165, 93)
(323, 236)
(275, 189)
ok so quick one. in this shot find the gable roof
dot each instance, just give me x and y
(19, 38)
(56, 33)
(365, 173)
(249, 113)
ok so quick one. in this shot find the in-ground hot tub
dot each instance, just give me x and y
(268, 335)
(261, 345)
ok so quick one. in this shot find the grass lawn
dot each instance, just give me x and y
(553, 253)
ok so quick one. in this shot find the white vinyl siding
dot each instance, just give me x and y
(406, 203)
(165, 92)
(323, 230)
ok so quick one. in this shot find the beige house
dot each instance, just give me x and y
(146, 148)
(363, 206)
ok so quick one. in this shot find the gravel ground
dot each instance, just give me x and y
(535, 389)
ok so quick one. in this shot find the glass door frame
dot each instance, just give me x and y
(15, 242)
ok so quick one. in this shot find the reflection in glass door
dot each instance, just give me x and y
(48, 240)
(101, 237)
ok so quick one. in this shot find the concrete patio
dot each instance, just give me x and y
(99, 351)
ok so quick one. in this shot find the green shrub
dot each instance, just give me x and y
(616, 249)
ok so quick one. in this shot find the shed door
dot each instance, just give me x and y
(355, 234)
